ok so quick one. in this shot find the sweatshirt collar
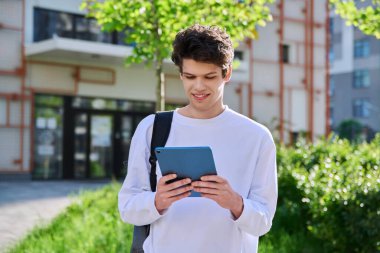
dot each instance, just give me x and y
(179, 118)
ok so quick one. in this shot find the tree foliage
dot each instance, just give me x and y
(152, 25)
(350, 129)
(366, 18)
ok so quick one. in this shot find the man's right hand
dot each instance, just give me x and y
(167, 194)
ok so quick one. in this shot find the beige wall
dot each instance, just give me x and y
(10, 60)
(139, 83)
(134, 82)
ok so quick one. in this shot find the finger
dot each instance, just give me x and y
(178, 191)
(204, 190)
(206, 184)
(213, 178)
(178, 183)
(166, 199)
(180, 196)
(162, 183)
(175, 185)
(166, 178)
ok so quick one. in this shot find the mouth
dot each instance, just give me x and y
(200, 97)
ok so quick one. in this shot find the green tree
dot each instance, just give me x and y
(366, 18)
(350, 129)
(152, 25)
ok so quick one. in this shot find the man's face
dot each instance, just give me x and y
(204, 86)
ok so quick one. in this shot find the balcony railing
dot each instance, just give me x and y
(49, 23)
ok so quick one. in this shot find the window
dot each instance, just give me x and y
(331, 123)
(111, 104)
(361, 48)
(48, 131)
(238, 55)
(285, 53)
(88, 29)
(361, 108)
(332, 87)
(361, 78)
(48, 23)
(331, 53)
(331, 25)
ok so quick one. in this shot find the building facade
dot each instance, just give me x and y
(355, 76)
(69, 107)
(289, 71)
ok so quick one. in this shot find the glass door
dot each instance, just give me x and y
(80, 145)
(93, 145)
(101, 146)
(48, 129)
(127, 128)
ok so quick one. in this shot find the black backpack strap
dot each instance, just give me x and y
(161, 129)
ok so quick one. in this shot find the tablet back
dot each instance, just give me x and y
(186, 162)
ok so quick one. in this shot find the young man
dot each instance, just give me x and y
(237, 206)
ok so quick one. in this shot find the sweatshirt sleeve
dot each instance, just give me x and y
(136, 200)
(260, 205)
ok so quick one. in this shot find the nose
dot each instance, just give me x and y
(198, 84)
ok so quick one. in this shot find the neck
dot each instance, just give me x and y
(190, 112)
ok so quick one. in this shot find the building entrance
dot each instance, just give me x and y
(89, 138)
(101, 144)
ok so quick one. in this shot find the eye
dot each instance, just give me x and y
(190, 77)
(210, 77)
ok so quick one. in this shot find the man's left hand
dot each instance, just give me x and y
(218, 189)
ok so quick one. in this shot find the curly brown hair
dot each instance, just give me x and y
(209, 44)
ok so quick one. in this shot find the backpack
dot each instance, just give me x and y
(161, 129)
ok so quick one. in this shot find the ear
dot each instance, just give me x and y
(181, 76)
(228, 74)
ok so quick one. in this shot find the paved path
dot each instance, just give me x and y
(25, 204)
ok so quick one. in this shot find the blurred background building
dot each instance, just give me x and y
(68, 106)
(355, 77)
(288, 74)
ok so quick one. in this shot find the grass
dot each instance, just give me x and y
(92, 224)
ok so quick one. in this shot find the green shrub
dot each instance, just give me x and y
(328, 202)
(281, 241)
(331, 190)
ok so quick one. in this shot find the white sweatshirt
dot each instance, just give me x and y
(244, 154)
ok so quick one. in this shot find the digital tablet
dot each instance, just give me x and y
(186, 162)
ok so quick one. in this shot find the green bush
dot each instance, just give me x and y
(330, 190)
(328, 202)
